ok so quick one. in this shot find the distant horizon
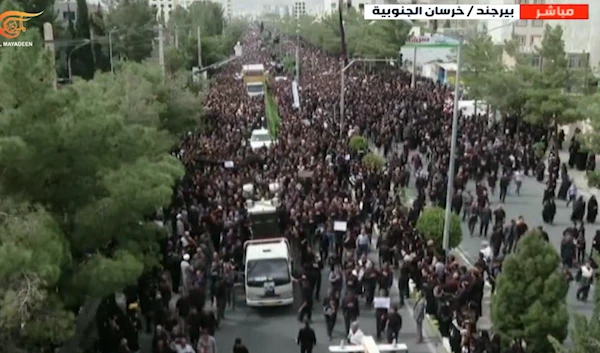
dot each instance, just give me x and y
(239, 7)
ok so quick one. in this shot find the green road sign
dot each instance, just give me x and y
(434, 41)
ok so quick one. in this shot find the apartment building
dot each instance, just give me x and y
(66, 9)
(299, 9)
(581, 44)
(330, 6)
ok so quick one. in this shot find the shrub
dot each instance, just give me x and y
(431, 226)
(530, 300)
(593, 179)
(373, 161)
(358, 143)
(539, 148)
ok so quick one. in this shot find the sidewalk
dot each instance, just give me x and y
(579, 178)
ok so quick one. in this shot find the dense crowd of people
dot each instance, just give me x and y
(321, 180)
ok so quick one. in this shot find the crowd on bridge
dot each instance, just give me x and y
(183, 304)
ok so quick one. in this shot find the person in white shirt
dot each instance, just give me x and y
(180, 345)
(355, 336)
(586, 273)
(518, 181)
(185, 265)
(363, 244)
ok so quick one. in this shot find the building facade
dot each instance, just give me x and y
(581, 45)
(299, 9)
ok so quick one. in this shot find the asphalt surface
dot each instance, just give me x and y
(274, 330)
(529, 205)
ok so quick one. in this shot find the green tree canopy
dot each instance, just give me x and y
(530, 300)
(547, 102)
(85, 165)
(431, 226)
(218, 37)
(482, 60)
(133, 24)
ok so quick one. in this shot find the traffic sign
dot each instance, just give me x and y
(433, 41)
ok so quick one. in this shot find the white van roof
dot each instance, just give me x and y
(253, 67)
(262, 206)
(261, 131)
(276, 248)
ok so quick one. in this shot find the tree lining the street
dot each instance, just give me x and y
(536, 95)
(530, 299)
(218, 36)
(82, 169)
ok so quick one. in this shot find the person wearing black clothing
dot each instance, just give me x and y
(209, 321)
(330, 312)
(403, 280)
(504, 182)
(239, 347)
(221, 299)
(306, 338)
(394, 324)
(307, 300)
(350, 309)
(381, 320)
(485, 216)
(592, 210)
(194, 322)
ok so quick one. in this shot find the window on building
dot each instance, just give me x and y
(361, 7)
(573, 62)
(577, 61)
(69, 15)
(537, 23)
(536, 61)
(521, 23)
(535, 40)
(539, 2)
(521, 1)
(522, 40)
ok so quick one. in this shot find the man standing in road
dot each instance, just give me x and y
(419, 311)
(306, 338)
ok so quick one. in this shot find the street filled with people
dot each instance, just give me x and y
(342, 276)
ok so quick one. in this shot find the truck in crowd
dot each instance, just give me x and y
(254, 79)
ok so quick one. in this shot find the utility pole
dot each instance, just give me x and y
(452, 166)
(176, 38)
(413, 81)
(92, 37)
(298, 47)
(49, 39)
(199, 35)
(110, 52)
(161, 49)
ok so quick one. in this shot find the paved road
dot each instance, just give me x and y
(274, 330)
(528, 205)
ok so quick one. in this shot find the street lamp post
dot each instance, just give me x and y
(452, 164)
(81, 45)
(110, 50)
(342, 92)
(298, 48)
